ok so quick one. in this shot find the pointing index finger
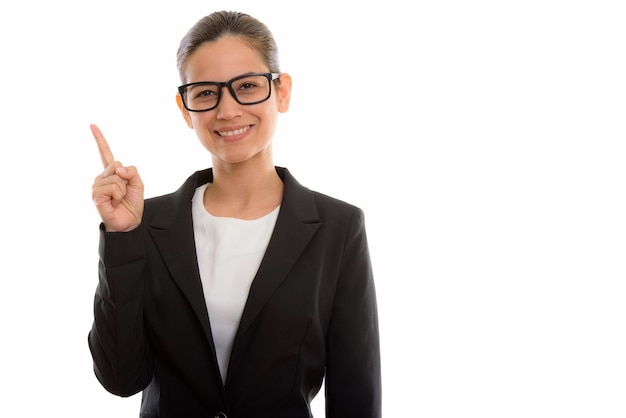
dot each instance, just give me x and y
(103, 147)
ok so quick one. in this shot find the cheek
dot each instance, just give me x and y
(189, 121)
(271, 112)
(197, 121)
(270, 122)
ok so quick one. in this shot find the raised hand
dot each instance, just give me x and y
(118, 191)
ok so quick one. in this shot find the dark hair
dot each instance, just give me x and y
(227, 23)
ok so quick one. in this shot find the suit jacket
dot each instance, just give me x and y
(310, 315)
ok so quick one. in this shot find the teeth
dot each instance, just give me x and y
(231, 133)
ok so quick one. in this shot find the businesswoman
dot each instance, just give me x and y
(239, 293)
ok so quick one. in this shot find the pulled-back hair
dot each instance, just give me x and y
(228, 23)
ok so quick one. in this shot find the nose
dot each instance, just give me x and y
(228, 107)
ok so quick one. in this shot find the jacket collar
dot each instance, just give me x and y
(172, 230)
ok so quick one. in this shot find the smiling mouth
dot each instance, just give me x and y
(235, 132)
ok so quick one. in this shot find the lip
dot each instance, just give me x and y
(233, 133)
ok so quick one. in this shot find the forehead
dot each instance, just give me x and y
(222, 60)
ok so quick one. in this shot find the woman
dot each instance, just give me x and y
(237, 294)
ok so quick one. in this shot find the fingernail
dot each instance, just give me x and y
(120, 170)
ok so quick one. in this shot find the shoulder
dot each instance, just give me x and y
(178, 200)
(333, 207)
(316, 204)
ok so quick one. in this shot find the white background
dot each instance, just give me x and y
(483, 139)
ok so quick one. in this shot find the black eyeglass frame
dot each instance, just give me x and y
(229, 84)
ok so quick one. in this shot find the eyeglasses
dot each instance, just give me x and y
(247, 89)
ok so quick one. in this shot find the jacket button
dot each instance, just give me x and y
(221, 415)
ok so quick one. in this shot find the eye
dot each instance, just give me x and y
(204, 93)
(250, 85)
(247, 85)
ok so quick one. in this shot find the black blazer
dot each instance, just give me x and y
(311, 313)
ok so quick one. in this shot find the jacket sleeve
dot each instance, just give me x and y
(353, 376)
(121, 356)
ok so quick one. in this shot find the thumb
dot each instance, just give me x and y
(129, 174)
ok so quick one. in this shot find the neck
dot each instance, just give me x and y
(245, 191)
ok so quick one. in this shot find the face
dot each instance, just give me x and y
(234, 133)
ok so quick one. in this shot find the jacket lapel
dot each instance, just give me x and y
(296, 224)
(172, 230)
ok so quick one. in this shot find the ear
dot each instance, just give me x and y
(185, 112)
(283, 92)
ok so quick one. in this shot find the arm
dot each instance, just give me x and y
(121, 356)
(122, 361)
(353, 375)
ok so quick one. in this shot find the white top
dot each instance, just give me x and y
(229, 252)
